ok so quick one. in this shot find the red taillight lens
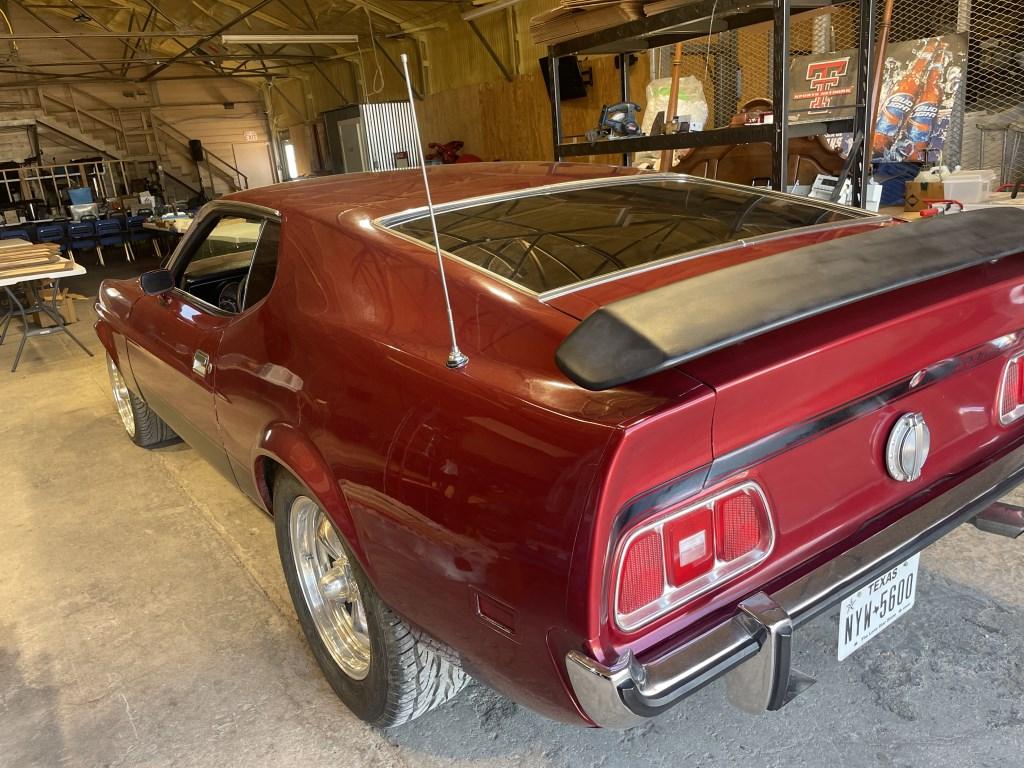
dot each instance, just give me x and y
(641, 578)
(689, 545)
(1011, 391)
(687, 552)
(742, 524)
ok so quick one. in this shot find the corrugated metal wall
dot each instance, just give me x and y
(388, 129)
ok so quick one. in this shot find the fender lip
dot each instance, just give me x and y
(628, 691)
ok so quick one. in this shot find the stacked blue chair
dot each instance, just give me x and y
(82, 234)
(110, 233)
(52, 233)
(11, 234)
(136, 232)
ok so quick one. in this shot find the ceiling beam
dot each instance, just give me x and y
(221, 29)
(176, 26)
(334, 86)
(69, 41)
(128, 81)
(190, 59)
(270, 19)
(130, 47)
(307, 23)
(56, 35)
(66, 5)
(392, 17)
(156, 9)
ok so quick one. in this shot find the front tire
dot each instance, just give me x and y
(143, 426)
(373, 660)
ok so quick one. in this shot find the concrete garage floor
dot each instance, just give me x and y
(144, 621)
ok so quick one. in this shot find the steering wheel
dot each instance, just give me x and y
(230, 296)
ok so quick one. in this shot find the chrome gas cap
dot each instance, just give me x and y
(907, 448)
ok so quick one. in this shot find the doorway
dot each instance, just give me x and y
(352, 154)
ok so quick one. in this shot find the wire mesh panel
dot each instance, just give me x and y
(992, 128)
(993, 89)
(987, 126)
(735, 66)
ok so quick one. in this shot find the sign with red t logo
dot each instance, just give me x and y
(825, 79)
(823, 84)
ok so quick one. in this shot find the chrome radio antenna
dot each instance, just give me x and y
(455, 357)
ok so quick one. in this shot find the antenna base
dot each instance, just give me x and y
(456, 359)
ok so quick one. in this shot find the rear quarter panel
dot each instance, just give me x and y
(462, 490)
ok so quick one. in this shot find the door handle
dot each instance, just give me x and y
(201, 365)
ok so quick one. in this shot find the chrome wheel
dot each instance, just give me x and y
(329, 587)
(122, 399)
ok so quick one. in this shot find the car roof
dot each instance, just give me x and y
(389, 192)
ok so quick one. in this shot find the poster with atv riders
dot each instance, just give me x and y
(919, 85)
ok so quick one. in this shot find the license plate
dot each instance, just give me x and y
(874, 607)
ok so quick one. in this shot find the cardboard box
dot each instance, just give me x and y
(917, 192)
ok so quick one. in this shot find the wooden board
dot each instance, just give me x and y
(15, 246)
(566, 23)
(26, 261)
(29, 255)
(34, 269)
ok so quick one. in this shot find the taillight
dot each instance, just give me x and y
(682, 554)
(642, 576)
(741, 520)
(1011, 391)
(689, 545)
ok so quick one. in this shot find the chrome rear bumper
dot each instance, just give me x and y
(754, 646)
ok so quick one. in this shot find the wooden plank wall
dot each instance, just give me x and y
(500, 120)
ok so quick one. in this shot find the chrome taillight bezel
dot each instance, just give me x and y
(1005, 419)
(721, 573)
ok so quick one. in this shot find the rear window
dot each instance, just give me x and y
(555, 239)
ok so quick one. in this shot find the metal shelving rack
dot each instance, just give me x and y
(694, 20)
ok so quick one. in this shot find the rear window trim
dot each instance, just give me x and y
(857, 217)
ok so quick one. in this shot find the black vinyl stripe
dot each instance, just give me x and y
(790, 437)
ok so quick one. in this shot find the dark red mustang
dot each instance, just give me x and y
(694, 417)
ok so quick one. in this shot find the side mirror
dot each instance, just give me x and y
(156, 281)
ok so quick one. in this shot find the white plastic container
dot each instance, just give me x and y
(969, 186)
(824, 185)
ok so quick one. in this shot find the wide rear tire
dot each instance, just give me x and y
(376, 663)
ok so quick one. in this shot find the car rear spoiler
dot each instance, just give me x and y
(643, 334)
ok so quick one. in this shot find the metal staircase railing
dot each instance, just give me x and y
(120, 144)
(222, 167)
(90, 120)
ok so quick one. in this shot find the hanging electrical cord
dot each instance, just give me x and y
(7, 21)
(711, 26)
(377, 84)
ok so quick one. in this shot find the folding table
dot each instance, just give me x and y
(7, 282)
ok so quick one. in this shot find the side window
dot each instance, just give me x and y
(233, 265)
(216, 267)
(264, 264)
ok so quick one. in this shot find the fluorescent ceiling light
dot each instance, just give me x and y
(483, 10)
(271, 39)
